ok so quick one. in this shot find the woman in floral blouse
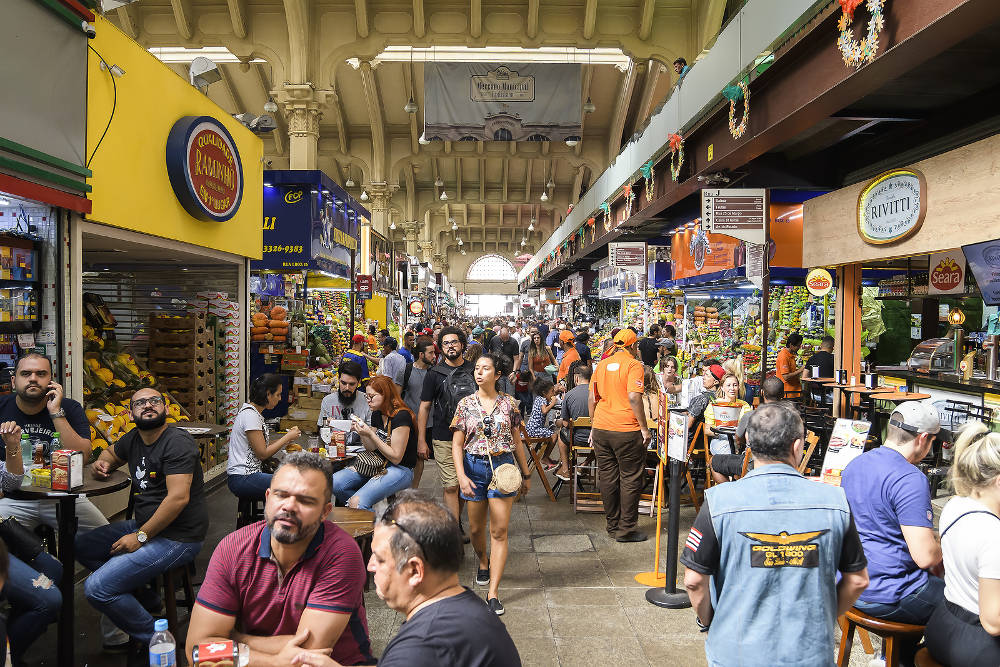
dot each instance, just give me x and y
(486, 425)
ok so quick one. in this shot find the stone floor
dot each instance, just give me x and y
(569, 591)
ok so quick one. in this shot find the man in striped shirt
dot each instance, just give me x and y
(290, 582)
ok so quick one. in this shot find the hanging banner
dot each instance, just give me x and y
(694, 252)
(497, 102)
(946, 274)
(984, 262)
(755, 264)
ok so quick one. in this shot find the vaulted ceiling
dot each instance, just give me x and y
(347, 118)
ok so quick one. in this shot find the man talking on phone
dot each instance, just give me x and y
(39, 407)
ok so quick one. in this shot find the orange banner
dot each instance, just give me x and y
(694, 252)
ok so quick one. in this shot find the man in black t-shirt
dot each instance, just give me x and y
(503, 344)
(169, 521)
(417, 551)
(648, 346)
(823, 359)
(435, 397)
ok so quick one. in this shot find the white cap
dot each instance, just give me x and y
(918, 416)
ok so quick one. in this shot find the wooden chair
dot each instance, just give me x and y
(746, 462)
(890, 632)
(534, 448)
(579, 422)
(811, 441)
(693, 452)
(925, 659)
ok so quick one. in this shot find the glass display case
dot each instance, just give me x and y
(932, 356)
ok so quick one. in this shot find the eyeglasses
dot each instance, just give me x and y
(152, 400)
(369, 397)
(450, 343)
(402, 529)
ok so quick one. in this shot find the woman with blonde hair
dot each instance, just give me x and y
(965, 628)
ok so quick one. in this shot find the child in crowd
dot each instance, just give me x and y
(545, 400)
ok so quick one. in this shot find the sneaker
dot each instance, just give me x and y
(496, 606)
(483, 576)
(633, 536)
(563, 477)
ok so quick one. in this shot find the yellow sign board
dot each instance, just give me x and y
(131, 187)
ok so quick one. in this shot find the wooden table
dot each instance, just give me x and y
(863, 391)
(358, 523)
(67, 525)
(900, 396)
(213, 429)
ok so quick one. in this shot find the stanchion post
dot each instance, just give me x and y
(668, 596)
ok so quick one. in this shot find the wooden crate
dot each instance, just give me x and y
(180, 382)
(172, 366)
(169, 323)
(171, 338)
(305, 425)
(309, 402)
(183, 352)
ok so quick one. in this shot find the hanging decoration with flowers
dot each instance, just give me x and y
(741, 91)
(676, 144)
(857, 53)
(592, 223)
(629, 198)
(606, 207)
(647, 173)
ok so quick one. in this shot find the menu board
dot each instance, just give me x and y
(677, 436)
(847, 442)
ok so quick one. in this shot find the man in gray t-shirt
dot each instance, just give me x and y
(575, 404)
(393, 362)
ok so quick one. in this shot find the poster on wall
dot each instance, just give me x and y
(695, 252)
(946, 274)
(847, 442)
(502, 102)
(984, 262)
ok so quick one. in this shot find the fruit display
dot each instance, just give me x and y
(794, 309)
(270, 324)
(322, 376)
(320, 343)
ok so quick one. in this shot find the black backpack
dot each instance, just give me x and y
(406, 378)
(458, 383)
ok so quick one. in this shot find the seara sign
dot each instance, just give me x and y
(892, 207)
(819, 282)
(204, 168)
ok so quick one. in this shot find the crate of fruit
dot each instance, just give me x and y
(183, 352)
(172, 367)
(172, 322)
(172, 337)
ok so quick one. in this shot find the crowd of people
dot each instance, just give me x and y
(771, 561)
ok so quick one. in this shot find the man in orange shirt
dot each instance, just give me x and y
(567, 340)
(786, 368)
(620, 435)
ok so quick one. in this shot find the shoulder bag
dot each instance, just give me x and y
(373, 464)
(20, 541)
(506, 476)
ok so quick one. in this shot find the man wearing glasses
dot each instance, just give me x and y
(444, 386)
(169, 520)
(416, 554)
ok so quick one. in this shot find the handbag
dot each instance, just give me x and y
(372, 464)
(20, 541)
(506, 477)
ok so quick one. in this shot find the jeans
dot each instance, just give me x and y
(109, 588)
(480, 473)
(915, 608)
(370, 490)
(249, 486)
(33, 591)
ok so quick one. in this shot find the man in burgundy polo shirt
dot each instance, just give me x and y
(289, 582)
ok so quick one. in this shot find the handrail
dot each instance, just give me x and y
(755, 28)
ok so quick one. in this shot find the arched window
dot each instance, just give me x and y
(538, 137)
(503, 134)
(491, 267)
(469, 137)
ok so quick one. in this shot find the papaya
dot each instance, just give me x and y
(258, 330)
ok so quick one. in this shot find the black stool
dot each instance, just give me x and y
(47, 534)
(179, 576)
(249, 510)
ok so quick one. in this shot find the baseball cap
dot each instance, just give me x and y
(916, 417)
(666, 342)
(567, 336)
(357, 338)
(717, 370)
(625, 337)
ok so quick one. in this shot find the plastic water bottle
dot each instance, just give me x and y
(162, 646)
(54, 445)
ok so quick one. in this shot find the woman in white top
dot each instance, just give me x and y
(248, 439)
(965, 628)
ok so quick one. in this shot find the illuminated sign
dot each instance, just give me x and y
(204, 168)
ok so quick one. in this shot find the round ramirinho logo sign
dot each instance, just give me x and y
(204, 168)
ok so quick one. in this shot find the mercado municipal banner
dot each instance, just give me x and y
(492, 101)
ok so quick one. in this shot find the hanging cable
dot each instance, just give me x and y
(114, 103)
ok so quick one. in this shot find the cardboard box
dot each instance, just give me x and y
(67, 469)
(309, 402)
(296, 412)
(305, 425)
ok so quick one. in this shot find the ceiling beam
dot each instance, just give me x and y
(458, 178)
(361, 16)
(182, 17)
(227, 81)
(238, 16)
(343, 131)
(419, 25)
(532, 18)
(527, 180)
(411, 192)
(617, 127)
(281, 131)
(482, 180)
(506, 171)
(589, 19)
(476, 18)
(648, 88)
(129, 20)
(376, 116)
(574, 196)
(646, 19)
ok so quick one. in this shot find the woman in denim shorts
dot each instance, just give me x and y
(486, 425)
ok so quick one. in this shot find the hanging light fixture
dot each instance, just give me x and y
(411, 106)
(349, 183)
(463, 251)
(545, 196)
(572, 142)
(270, 106)
(531, 225)
(392, 225)
(523, 243)
(364, 195)
(454, 225)
(423, 140)
(550, 184)
(444, 196)
(588, 106)
(438, 182)
(460, 241)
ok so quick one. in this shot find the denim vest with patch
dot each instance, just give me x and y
(774, 595)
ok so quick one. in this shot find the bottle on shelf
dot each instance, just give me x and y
(162, 646)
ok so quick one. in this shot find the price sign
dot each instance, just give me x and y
(365, 285)
(736, 212)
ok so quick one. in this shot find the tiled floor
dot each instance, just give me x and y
(569, 591)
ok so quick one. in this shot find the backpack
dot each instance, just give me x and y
(458, 383)
(406, 379)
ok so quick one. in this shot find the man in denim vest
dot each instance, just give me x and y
(763, 555)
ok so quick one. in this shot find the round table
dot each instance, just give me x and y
(859, 389)
(67, 524)
(205, 429)
(900, 396)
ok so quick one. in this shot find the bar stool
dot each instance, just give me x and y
(179, 576)
(249, 510)
(890, 632)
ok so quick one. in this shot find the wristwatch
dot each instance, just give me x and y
(59, 413)
(526, 475)
(141, 536)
